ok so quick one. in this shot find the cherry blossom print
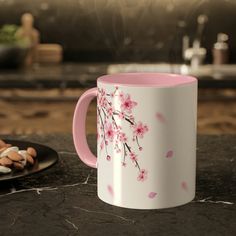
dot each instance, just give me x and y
(142, 175)
(160, 117)
(123, 163)
(121, 95)
(131, 118)
(110, 113)
(109, 132)
(110, 190)
(133, 156)
(102, 101)
(102, 145)
(140, 129)
(121, 115)
(118, 150)
(152, 195)
(102, 92)
(122, 137)
(127, 104)
(184, 185)
(169, 154)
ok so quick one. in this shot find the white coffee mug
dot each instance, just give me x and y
(146, 139)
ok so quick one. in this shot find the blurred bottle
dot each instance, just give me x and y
(29, 33)
(221, 50)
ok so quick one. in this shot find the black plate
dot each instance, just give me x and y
(46, 157)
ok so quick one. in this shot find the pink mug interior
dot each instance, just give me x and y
(147, 79)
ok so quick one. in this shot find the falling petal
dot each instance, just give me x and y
(110, 190)
(184, 186)
(152, 194)
(169, 154)
(160, 117)
(102, 145)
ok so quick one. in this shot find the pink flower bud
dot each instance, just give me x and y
(123, 164)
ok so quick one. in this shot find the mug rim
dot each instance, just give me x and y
(147, 79)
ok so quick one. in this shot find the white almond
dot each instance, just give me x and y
(5, 170)
(23, 153)
(10, 149)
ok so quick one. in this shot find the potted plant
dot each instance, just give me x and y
(13, 50)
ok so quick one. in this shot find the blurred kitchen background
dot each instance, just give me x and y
(51, 51)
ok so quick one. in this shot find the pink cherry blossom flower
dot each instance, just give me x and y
(127, 104)
(142, 175)
(140, 129)
(110, 111)
(108, 157)
(143, 171)
(121, 115)
(121, 95)
(122, 137)
(133, 156)
(109, 132)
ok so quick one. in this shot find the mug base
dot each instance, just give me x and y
(152, 207)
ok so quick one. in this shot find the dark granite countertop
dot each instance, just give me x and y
(82, 75)
(63, 201)
(66, 75)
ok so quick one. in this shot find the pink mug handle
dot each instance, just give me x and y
(79, 134)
